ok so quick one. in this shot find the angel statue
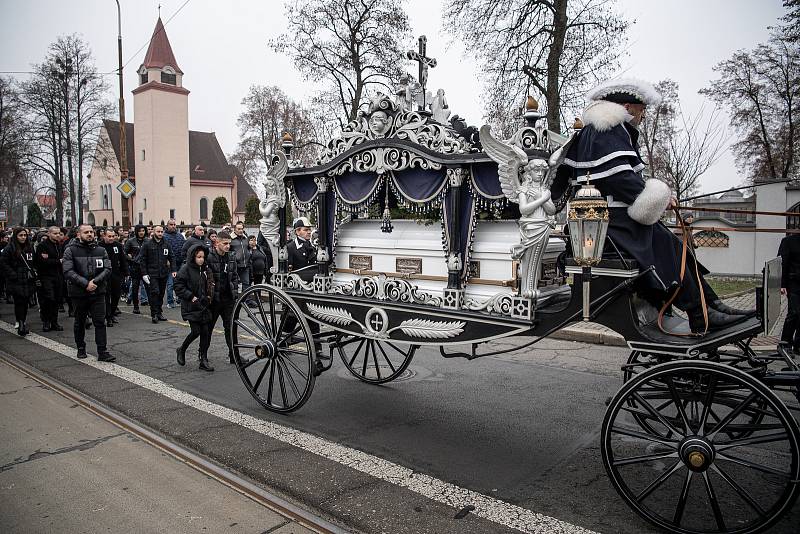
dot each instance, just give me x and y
(270, 226)
(535, 206)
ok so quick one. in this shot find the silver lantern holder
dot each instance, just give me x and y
(588, 223)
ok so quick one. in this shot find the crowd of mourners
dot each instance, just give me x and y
(85, 272)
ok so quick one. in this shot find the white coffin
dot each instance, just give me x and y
(361, 245)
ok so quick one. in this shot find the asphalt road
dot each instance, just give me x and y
(522, 428)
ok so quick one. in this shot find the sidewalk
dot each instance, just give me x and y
(63, 468)
(598, 334)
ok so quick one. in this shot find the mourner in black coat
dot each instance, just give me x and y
(87, 270)
(156, 262)
(119, 270)
(302, 256)
(258, 262)
(222, 265)
(132, 247)
(16, 263)
(606, 149)
(789, 251)
(47, 259)
(194, 286)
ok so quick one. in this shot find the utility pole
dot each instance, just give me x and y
(123, 145)
(64, 75)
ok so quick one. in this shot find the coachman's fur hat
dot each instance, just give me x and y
(626, 91)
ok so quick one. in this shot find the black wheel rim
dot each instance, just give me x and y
(373, 361)
(689, 471)
(273, 349)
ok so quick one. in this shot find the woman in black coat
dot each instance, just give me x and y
(195, 287)
(16, 262)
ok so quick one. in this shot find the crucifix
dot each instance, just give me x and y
(424, 63)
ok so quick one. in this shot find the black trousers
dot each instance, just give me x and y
(113, 293)
(791, 326)
(50, 297)
(155, 294)
(21, 308)
(136, 281)
(201, 330)
(95, 307)
(258, 278)
(224, 310)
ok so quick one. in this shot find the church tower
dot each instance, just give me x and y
(161, 136)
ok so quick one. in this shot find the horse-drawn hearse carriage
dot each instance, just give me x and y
(701, 436)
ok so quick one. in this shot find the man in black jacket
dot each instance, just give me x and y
(302, 256)
(47, 260)
(132, 247)
(789, 251)
(156, 262)
(87, 268)
(198, 237)
(226, 282)
(119, 270)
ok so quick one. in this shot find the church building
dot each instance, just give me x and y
(177, 172)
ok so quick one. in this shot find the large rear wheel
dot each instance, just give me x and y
(681, 445)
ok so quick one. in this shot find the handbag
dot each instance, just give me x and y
(31, 275)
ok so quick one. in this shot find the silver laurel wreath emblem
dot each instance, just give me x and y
(336, 316)
(428, 329)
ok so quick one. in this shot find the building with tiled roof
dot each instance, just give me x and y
(177, 172)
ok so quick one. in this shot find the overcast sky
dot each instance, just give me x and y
(222, 49)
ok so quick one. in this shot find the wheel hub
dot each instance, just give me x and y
(697, 453)
(266, 350)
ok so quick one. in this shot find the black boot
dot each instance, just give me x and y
(728, 310)
(46, 326)
(136, 309)
(204, 365)
(181, 352)
(109, 323)
(105, 356)
(161, 317)
(716, 320)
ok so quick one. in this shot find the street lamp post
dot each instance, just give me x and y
(123, 156)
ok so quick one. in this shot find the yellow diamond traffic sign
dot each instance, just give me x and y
(126, 188)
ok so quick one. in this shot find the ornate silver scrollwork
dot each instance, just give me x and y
(456, 176)
(502, 304)
(382, 160)
(380, 287)
(293, 281)
(322, 183)
(385, 120)
(329, 314)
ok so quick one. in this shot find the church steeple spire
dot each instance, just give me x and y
(159, 53)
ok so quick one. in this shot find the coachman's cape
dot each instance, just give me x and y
(607, 149)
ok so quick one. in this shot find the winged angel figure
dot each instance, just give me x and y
(535, 205)
(270, 226)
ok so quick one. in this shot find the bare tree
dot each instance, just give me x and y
(791, 21)
(566, 46)
(354, 46)
(697, 143)
(16, 185)
(658, 126)
(268, 114)
(761, 90)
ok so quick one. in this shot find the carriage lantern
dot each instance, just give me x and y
(588, 223)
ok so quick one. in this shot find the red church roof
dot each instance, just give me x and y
(159, 54)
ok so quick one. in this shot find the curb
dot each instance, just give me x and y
(590, 335)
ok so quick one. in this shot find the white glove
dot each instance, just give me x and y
(146, 279)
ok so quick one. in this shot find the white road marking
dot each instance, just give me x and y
(494, 510)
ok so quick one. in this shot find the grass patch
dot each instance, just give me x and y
(729, 286)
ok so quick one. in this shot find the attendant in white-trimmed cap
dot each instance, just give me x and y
(607, 149)
(302, 256)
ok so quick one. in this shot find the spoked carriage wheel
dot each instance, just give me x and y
(372, 361)
(692, 469)
(639, 361)
(273, 348)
